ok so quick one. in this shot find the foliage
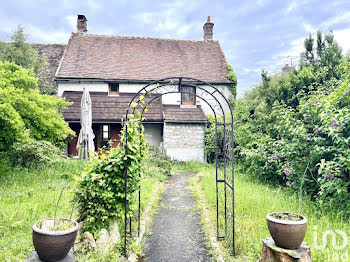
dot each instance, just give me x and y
(294, 128)
(215, 137)
(100, 191)
(158, 164)
(253, 201)
(34, 154)
(22, 54)
(27, 115)
(232, 77)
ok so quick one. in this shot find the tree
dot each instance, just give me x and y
(324, 52)
(25, 114)
(21, 53)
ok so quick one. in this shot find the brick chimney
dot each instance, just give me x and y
(208, 30)
(81, 24)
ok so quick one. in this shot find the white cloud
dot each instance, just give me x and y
(145, 18)
(336, 19)
(46, 36)
(93, 4)
(296, 4)
(342, 37)
(72, 21)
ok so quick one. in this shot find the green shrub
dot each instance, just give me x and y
(306, 147)
(25, 114)
(33, 154)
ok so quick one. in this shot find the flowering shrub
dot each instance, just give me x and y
(307, 147)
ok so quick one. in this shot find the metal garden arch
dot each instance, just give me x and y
(224, 162)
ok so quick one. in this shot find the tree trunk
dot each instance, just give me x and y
(271, 253)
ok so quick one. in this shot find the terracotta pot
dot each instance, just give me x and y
(287, 234)
(53, 246)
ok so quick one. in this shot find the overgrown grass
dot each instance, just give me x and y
(254, 200)
(27, 196)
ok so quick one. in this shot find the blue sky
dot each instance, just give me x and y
(253, 34)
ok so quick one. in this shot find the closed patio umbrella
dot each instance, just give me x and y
(85, 143)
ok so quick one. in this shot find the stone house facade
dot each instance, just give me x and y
(114, 68)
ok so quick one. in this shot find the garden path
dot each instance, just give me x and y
(176, 231)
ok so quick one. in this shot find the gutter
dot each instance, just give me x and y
(126, 81)
(185, 122)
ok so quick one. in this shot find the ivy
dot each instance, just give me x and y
(232, 77)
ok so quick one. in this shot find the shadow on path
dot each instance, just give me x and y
(176, 232)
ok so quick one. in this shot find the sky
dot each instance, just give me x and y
(254, 35)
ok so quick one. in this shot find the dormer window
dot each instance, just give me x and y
(113, 89)
(188, 95)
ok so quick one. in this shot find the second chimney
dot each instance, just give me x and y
(208, 30)
(81, 24)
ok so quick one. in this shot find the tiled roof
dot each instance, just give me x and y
(53, 53)
(175, 113)
(137, 58)
(112, 109)
(108, 108)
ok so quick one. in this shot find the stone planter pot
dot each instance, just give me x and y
(286, 233)
(53, 246)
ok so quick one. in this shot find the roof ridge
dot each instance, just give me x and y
(143, 38)
(46, 44)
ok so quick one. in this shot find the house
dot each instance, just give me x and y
(113, 68)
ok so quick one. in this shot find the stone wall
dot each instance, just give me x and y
(184, 141)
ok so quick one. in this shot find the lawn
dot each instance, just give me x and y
(27, 196)
(254, 200)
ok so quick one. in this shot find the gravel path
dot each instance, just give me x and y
(176, 232)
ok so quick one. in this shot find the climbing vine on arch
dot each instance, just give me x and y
(100, 192)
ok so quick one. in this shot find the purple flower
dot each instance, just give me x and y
(273, 158)
(293, 182)
(317, 99)
(287, 172)
(317, 129)
(335, 124)
(328, 176)
(308, 136)
(262, 149)
(347, 92)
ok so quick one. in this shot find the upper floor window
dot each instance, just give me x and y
(188, 95)
(113, 89)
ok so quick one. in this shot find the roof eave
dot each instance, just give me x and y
(129, 81)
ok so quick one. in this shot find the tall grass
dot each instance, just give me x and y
(254, 200)
(29, 195)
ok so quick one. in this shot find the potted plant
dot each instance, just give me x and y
(287, 229)
(53, 238)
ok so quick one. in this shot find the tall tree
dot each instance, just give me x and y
(21, 53)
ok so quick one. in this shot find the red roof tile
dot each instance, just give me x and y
(137, 58)
(108, 109)
(175, 113)
(112, 109)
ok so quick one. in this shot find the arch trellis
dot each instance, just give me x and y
(224, 162)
